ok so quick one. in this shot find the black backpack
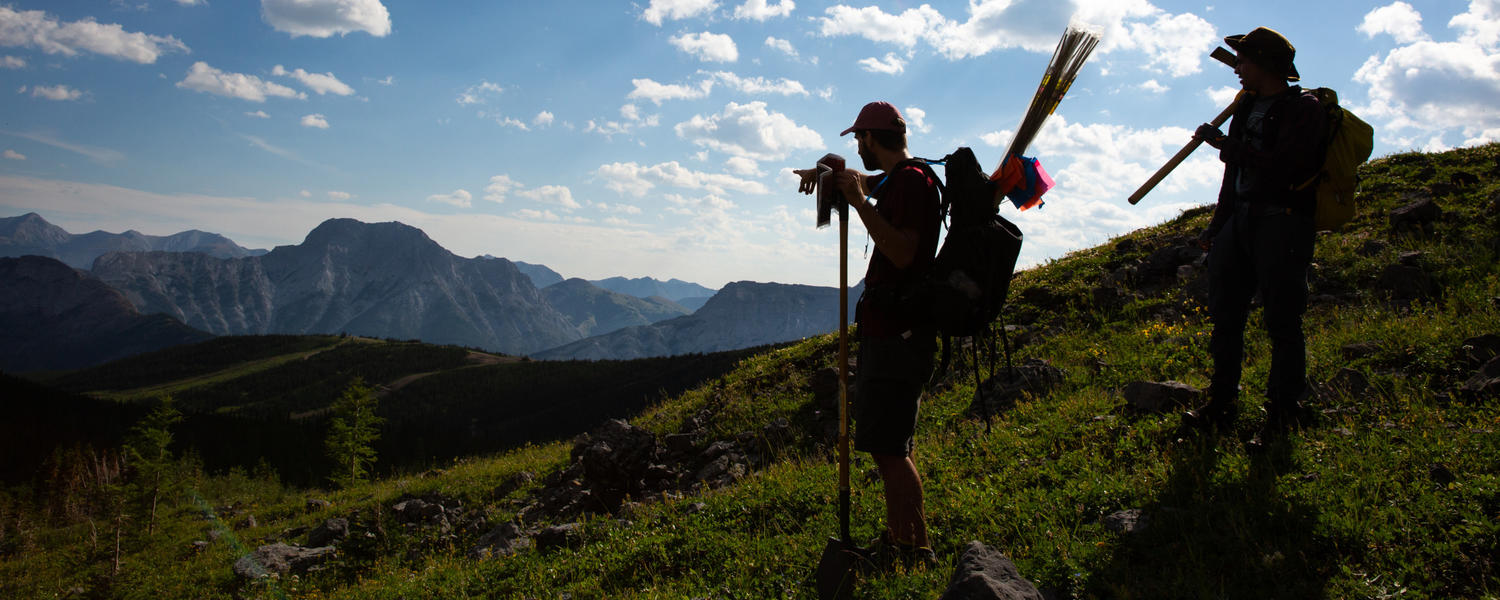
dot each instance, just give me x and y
(962, 292)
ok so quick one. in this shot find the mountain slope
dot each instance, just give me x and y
(597, 311)
(741, 315)
(54, 317)
(380, 279)
(646, 287)
(31, 234)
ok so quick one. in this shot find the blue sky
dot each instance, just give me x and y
(655, 138)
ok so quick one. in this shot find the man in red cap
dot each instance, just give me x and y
(1261, 235)
(895, 353)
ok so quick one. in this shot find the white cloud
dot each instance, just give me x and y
(389, 80)
(97, 154)
(12, 62)
(193, 2)
(37, 29)
(995, 139)
(627, 209)
(707, 47)
(13, 155)
(54, 92)
(340, 196)
(632, 179)
(259, 114)
(1151, 86)
(749, 131)
(761, 85)
(204, 78)
(760, 10)
(500, 186)
(874, 24)
(1223, 95)
(477, 93)
(543, 119)
(305, 194)
(324, 18)
(917, 119)
(664, 10)
(1398, 19)
(555, 195)
(322, 83)
(782, 46)
(631, 120)
(740, 165)
(532, 214)
(891, 65)
(459, 198)
(1438, 88)
(315, 120)
(648, 89)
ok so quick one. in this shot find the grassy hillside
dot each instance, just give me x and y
(1393, 493)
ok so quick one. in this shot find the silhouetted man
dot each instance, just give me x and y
(1261, 235)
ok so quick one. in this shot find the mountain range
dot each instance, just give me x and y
(30, 234)
(390, 280)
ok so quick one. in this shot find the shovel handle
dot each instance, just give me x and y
(1183, 153)
(843, 367)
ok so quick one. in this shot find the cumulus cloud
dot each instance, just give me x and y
(322, 83)
(760, 85)
(337, 195)
(666, 10)
(12, 62)
(459, 198)
(890, 65)
(749, 131)
(13, 155)
(324, 18)
(500, 186)
(1223, 95)
(1430, 88)
(54, 92)
(315, 120)
(649, 89)
(555, 195)
(479, 93)
(543, 119)
(633, 179)
(37, 29)
(203, 78)
(631, 120)
(916, 118)
(782, 46)
(760, 10)
(1398, 19)
(707, 47)
(1151, 86)
(259, 114)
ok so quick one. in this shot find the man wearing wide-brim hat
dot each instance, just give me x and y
(1261, 237)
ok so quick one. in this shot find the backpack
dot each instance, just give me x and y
(1347, 142)
(962, 291)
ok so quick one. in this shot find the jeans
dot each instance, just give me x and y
(1266, 250)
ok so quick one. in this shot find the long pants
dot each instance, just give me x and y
(1263, 250)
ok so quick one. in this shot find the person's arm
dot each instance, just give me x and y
(899, 245)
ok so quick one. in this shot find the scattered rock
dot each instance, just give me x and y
(1463, 179)
(996, 394)
(1126, 521)
(1476, 351)
(559, 536)
(1347, 382)
(1406, 283)
(1360, 350)
(1484, 384)
(275, 560)
(248, 522)
(331, 532)
(1441, 475)
(1372, 248)
(1157, 397)
(200, 546)
(513, 483)
(315, 505)
(1417, 215)
(504, 540)
(983, 573)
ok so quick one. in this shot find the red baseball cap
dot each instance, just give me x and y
(878, 115)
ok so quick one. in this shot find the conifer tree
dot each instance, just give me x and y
(352, 434)
(147, 452)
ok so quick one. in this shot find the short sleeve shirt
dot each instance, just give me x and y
(907, 199)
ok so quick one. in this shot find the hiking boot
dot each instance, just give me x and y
(1281, 418)
(885, 554)
(1214, 416)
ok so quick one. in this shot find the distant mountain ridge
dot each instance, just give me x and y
(598, 311)
(30, 234)
(375, 279)
(55, 317)
(741, 315)
(675, 290)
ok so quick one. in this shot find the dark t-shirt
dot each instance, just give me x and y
(909, 200)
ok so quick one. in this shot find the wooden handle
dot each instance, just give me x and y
(843, 366)
(1183, 153)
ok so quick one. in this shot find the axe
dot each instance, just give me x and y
(1221, 55)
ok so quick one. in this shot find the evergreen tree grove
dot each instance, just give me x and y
(352, 434)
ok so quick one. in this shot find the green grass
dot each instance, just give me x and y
(1395, 494)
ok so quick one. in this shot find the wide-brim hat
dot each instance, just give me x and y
(1267, 48)
(878, 115)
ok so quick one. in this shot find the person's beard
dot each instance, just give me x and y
(871, 164)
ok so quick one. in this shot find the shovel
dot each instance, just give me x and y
(837, 568)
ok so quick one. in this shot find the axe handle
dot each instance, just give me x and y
(1183, 153)
(843, 366)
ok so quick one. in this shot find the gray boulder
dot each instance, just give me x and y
(329, 533)
(983, 573)
(505, 540)
(1034, 377)
(1156, 397)
(275, 560)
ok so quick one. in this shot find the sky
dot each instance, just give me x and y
(657, 138)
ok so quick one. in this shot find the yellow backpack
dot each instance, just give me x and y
(1348, 141)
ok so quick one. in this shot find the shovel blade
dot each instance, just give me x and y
(837, 570)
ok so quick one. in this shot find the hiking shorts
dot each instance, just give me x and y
(888, 390)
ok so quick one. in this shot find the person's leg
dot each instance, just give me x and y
(1282, 257)
(1231, 285)
(905, 516)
